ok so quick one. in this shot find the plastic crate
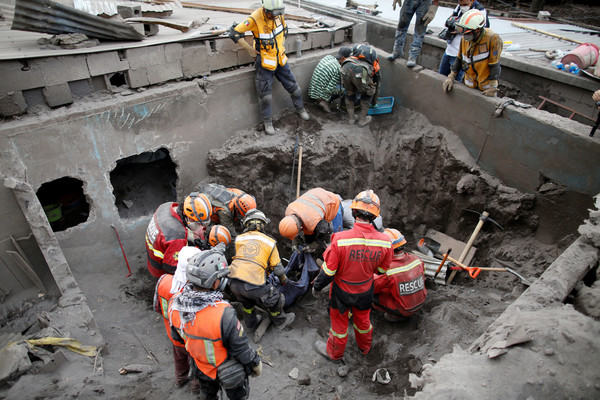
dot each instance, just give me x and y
(384, 105)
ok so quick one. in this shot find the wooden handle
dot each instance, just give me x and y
(546, 33)
(299, 172)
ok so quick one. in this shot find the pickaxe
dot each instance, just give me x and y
(483, 217)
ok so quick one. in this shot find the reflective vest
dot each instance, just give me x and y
(313, 206)
(165, 236)
(478, 57)
(203, 337)
(255, 257)
(268, 38)
(161, 303)
(220, 198)
(404, 282)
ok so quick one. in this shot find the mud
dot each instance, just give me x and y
(425, 179)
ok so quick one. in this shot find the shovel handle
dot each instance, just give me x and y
(473, 272)
(441, 264)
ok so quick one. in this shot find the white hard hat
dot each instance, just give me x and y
(274, 6)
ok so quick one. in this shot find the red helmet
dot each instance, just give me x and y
(396, 237)
(197, 207)
(219, 234)
(366, 201)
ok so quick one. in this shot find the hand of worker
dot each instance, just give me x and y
(221, 247)
(448, 83)
(430, 14)
(257, 370)
(295, 249)
(492, 90)
(283, 279)
(596, 98)
(311, 248)
(314, 292)
(399, 2)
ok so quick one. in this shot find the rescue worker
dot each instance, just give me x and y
(269, 29)
(167, 286)
(168, 232)
(479, 55)
(425, 11)
(313, 213)
(229, 205)
(326, 81)
(401, 291)
(350, 262)
(256, 256)
(453, 38)
(361, 77)
(212, 334)
(349, 219)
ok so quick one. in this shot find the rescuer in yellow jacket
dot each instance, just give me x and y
(256, 256)
(479, 55)
(269, 29)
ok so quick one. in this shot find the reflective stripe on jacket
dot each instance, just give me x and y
(255, 257)
(165, 236)
(313, 206)
(162, 295)
(479, 56)
(268, 38)
(355, 255)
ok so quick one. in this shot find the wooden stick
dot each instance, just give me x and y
(299, 172)
(183, 27)
(469, 243)
(546, 33)
(248, 11)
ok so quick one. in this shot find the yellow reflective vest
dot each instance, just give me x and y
(268, 37)
(255, 257)
(479, 56)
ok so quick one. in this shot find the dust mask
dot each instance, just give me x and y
(464, 9)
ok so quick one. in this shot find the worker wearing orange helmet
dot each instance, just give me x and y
(167, 232)
(312, 213)
(228, 205)
(400, 292)
(350, 262)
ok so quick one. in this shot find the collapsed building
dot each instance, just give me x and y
(94, 139)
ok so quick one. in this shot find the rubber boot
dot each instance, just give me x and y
(364, 118)
(324, 106)
(350, 110)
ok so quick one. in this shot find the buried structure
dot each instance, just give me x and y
(111, 160)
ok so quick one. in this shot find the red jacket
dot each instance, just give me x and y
(402, 287)
(354, 256)
(165, 236)
(162, 295)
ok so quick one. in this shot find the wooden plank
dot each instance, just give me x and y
(447, 242)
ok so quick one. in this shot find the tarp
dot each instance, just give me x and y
(300, 263)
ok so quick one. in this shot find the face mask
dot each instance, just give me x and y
(464, 9)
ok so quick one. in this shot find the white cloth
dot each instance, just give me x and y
(180, 278)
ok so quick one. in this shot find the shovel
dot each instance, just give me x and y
(431, 248)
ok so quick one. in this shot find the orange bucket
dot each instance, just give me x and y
(584, 55)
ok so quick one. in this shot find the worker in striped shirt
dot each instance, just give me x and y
(326, 81)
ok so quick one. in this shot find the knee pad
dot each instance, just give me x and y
(266, 99)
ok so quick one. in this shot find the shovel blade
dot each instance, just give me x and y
(428, 246)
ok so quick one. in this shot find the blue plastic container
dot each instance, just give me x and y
(384, 105)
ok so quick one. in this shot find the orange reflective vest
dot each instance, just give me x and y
(313, 206)
(161, 302)
(268, 37)
(479, 56)
(203, 337)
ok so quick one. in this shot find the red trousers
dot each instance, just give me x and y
(182, 364)
(338, 334)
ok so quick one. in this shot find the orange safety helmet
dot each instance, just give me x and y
(242, 203)
(366, 201)
(289, 226)
(396, 237)
(197, 207)
(219, 234)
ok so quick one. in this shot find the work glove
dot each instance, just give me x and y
(311, 248)
(201, 244)
(399, 2)
(257, 369)
(220, 247)
(430, 14)
(295, 249)
(449, 82)
(249, 49)
(314, 292)
(283, 279)
(492, 90)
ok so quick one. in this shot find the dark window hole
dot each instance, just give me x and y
(118, 79)
(64, 203)
(143, 182)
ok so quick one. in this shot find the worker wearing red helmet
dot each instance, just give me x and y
(312, 213)
(350, 262)
(228, 205)
(400, 292)
(167, 232)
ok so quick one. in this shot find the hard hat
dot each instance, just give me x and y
(274, 6)
(206, 267)
(242, 203)
(255, 215)
(470, 23)
(396, 237)
(366, 201)
(219, 234)
(197, 207)
(344, 52)
(289, 227)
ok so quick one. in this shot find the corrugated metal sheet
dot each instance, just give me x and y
(109, 7)
(49, 17)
